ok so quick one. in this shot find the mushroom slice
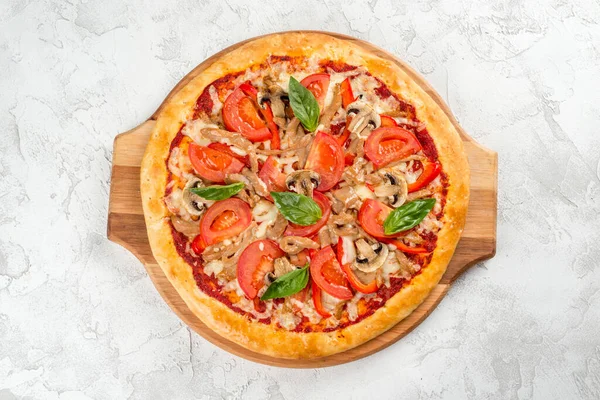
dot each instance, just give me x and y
(364, 119)
(193, 203)
(295, 244)
(282, 266)
(392, 187)
(188, 228)
(274, 95)
(369, 256)
(303, 181)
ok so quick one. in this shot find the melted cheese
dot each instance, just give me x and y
(193, 129)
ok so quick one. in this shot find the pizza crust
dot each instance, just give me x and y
(267, 339)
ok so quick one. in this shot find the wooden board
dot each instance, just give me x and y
(126, 226)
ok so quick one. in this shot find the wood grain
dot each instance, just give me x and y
(126, 225)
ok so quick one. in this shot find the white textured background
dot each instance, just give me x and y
(79, 317)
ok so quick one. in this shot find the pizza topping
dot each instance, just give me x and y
(188, 228)
(304, 104)
(295, 244)
(317, 84)
(297, 208)
(303, 182)
(216, 192)
(213, 165)
(309, 230)
(255, 262)
(241, 115)
(390, 186)
(327, 274)
(408, 216)
(430, 172)
(225, 219)
(194, 204)
(369, 256)
(288, 283)
(388, 144)
(363, 119)
(326, 157)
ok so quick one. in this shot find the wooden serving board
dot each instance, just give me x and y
(126, 225)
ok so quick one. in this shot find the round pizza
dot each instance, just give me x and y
(303, 195)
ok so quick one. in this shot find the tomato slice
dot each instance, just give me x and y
(223, 148)
(430, 172)
(240, 114)
(213, 165)
(327, 274)
(255, 262)
(347, 95)
(387, 121)
(298, 230)
(371, 215)
(387, 144)
(326, 157)
(318, 303)
(405, 248)
(318, 85)
(225, 219)
(266, 112)
(354, 280)
(272, 176)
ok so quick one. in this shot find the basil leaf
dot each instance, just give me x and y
(218, 192)
(297, 208)
(407, 216)
(287, 285)
(304, 104)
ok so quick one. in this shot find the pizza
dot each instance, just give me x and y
(303, 194)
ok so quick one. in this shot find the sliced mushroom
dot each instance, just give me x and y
(392, 187)
(193, 203)
(364, 119)
(282, 266)
(332, 109)
(295, 244)
(188, 228)
(275, 231)
(369, 256)
(303, 181)
(343, 224)
(275, 96)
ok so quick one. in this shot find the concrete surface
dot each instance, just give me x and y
(80, 319)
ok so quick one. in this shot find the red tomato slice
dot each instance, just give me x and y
(213, 165)
(240, 114)
(225, 219)
(405, 248)
(223, 148)
(298, 230)
(255, 262)
(266, 112)
(347, 95)
(327, 274)
(318, 85)
(318, 303)
(355, 282)
(430, 172)
(371, 215)
(326, 157)
(387, 121)
(387, 144)
(272, 176)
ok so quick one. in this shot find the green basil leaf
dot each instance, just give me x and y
(304, 104)
(407, 216)
(297, 208)
(218, 192)
(287, 285)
